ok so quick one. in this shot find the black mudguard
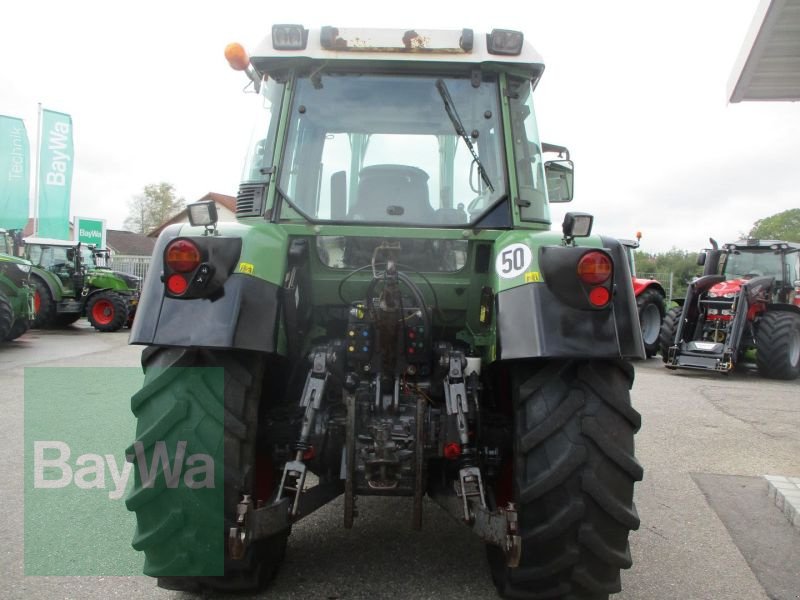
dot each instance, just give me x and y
(243, 316)
(534, 322)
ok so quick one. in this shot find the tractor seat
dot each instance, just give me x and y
(393, 194)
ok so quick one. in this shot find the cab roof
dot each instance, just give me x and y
(761, 245)
(40, 241)
(351, 45)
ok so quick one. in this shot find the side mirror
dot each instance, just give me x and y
(701, 259)
(560, 180)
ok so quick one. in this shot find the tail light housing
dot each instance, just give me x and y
(198, 267)
(182, 256)
(580, 277)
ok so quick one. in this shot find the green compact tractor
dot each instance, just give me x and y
(393, 317)
(69, 283)
(746, 303)
(16, 298)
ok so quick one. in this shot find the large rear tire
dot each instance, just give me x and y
(650, 304)
(6, 317)
(574, 471)
(669, 328)
(20, 327)
(107, 311)
(175, 403)
(44, 306)
(778, 345)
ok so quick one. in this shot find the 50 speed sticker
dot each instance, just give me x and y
(512, 261)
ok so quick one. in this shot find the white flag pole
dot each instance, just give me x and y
(36, 171)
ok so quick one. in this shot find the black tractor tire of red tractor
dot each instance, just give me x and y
(669, 328)
(6, 317)
(175, 402)
(777, 336)
(45, 305)
(574, 472)
(650, 304)
(107, 311)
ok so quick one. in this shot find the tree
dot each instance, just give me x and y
(150, 209)
(680, 263)
(784, 226)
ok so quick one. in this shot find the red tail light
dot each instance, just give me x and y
(599, 296)
(182, 256)
(595, 268)
(176, 284)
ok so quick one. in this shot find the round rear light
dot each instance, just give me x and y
(176, 284)
(599, 296)
(594, 267)
(182, 256)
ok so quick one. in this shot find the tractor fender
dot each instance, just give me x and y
(758, 287)
(55, 290)
(783, 308)
(640, 285)
(243, 315)
(534, 322)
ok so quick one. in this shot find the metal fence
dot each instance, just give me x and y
(671, 286)
(133, 265)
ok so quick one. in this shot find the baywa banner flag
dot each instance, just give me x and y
(55, 175)
(14, 173)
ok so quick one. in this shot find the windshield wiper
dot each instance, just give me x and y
(450, 107)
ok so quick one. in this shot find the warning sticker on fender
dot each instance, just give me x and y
(246, 268)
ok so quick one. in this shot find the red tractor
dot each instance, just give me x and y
(746, 303)
(650, 298)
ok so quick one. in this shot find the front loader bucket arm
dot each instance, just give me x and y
(691, 308)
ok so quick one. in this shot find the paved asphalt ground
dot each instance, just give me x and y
(708, 530)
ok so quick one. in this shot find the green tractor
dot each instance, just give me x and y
(69, 282)
(16, 298)
(393, 316)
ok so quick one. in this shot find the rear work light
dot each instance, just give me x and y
(289, 37)
(182, 256)
(203, 213)
(504, 41)
(595, 268)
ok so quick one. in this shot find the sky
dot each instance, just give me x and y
(636, 90)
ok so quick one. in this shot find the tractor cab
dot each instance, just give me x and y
(66, 260)
(743, 261)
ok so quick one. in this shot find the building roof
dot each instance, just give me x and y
(129, 243)
(229, 202)
(768, 67)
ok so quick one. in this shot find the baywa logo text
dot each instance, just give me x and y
(52, 468)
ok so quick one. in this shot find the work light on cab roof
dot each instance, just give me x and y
(350, 43)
